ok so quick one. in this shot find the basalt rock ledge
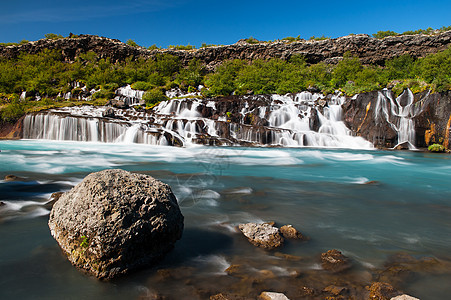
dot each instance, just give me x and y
(369, 50)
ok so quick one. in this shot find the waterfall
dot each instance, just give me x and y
(294, 120)
(129, 95)
(399, 114)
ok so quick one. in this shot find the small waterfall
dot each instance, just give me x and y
(399, 113)
(23, 95)
(129, 95)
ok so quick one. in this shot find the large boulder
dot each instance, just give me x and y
(115, 221)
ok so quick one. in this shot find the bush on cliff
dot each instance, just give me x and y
(383, 34)
(436, 148)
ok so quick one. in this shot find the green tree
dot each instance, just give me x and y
(346, 70)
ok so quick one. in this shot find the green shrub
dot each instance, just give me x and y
(383, 34)
(321, 38)
(292, 39)
(103, 94)
(251, 40)
(53, 36)
(436, 148)
(153, 97)
(132, 43)
(142, 85)
(153, 47)
(12, 112)
(182, 47)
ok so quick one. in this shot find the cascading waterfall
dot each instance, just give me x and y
(56, 126)
(129, 95)
(290, 121)
(399, 114)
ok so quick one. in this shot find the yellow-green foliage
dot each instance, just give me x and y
(436, 148)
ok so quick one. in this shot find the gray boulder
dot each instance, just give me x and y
(115, 221)
(262, 235)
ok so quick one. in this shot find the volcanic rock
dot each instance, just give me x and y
(289, 232)
(382, 291)
(262, 235)
(53, 198)
(115, 221)
(108, 113)
(334, 261)
(13, 178)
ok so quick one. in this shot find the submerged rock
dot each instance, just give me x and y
(334, 261)
(289, 232)
(262, 235)
(382, 291)
(14, 178)
(53, 198)
(115, 221)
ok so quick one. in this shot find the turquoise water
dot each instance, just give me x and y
(322, 192)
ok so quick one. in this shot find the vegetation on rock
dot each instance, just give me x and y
(436, 148)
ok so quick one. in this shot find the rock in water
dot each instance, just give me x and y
(115, 221)
(334, 261)
(289, 232)
(262, 235)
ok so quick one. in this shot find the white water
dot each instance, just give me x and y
(129, 95)
(289, 123)
(398, 114)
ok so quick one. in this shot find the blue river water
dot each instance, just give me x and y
(369, 204)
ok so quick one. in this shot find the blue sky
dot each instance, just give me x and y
(182, 22)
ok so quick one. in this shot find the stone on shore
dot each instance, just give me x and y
(334, 261)
(115, 221)
(272, 296)
(404, 297)
(262, 235)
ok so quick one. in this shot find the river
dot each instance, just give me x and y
(369, 204)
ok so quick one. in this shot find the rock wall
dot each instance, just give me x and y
(368, 49)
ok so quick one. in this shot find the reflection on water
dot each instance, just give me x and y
(368, 204)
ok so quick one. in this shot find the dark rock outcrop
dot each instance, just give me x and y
(368, 49)
(115, 221)
(262, 235)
